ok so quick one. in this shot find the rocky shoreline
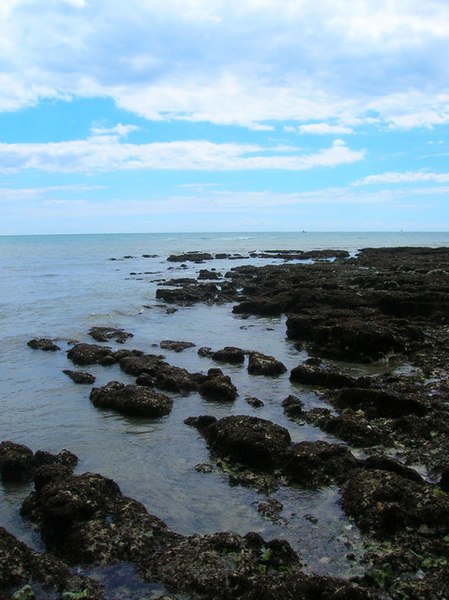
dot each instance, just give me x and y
(390, 459)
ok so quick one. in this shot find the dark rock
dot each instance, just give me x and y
(189, 294)
(175, 379)
(384, 503)
(262, 364)
(311, 375)
(80, 376)
(255, 402)
(229, 354)
(16, 462)
(138, 365)
(104, 334)
(176, 346)
(89, 354)
(318, 463)
(377, 403)
(190, 256)
(350, 428)
(202, 422)
(249, 440)
(293, 407)
(205, 351)
(45, 344)
(49, 577)
(384, 463)
(205, 274)
(217, 386)
(132, 400)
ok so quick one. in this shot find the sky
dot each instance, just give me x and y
(223, 115)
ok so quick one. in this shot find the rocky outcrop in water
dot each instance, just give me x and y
(131, 400)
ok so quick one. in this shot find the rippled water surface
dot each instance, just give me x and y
(61, 286)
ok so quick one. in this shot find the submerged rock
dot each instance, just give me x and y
(131, 400)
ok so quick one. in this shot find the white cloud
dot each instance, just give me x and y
(105, 153)
(406, 177)
(233, 61)
(324, 129)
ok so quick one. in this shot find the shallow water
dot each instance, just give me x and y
(60, 286)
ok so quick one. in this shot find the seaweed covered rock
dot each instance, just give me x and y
(104, 334)
(325, 377)
(351, 428)
(80, 377)
(18, 463)
(131, 400)
(175, 345)
(378, 403)
(90, 354)
(24, 572)
(229, 354)
(217, 386)
(262, 364)
(385, 503)
(45, 344)
(318, 463)
(249, 440)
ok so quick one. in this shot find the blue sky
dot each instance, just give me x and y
(224, 115)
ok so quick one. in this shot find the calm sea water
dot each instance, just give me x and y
(61, 286)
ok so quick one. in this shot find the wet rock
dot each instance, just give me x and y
(346, 335)
(293, 407)
(45, 344)
(249, 440)
(81, 377)
(190, 256)
(205, 351)
(201, 423)
(351, 428)
(205, 274)
(377, 403)
(216, 386)
(25, 573)
(104, 334)
(384, 503)
(229, 354)
(384, 463)
(189, 294)
(89, 354)
(271, 509)
(86, 519)
(262, 364)
(131, 400)
(16, 462)
(138, 365)
(176, 346)
(318, 463)
(175, 379)
(254, 402)
(312, 375)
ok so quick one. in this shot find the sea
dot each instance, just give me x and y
(60, 286)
